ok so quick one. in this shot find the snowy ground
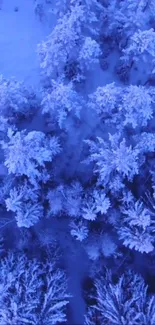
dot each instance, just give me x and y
(21, 31)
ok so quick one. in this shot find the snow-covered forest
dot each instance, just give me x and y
(77, 162)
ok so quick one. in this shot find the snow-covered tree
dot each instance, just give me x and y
(149, 7)
(137, 215)
(27, 153)
(5, 187)
(113, 158)
(89, 210)
(98, 244)
(123, 18)
(16, 99)
(124, 302)
(102, 202)
(79, 230)
(61, 100)
(145, 142)
(67, 44)
(141, 47)
(90, 318)
(105, 100)
(5, 124)
(62, 6)
(66, 199)
(137, 105)
(24, 201)
(119, 106)
(92, 248)
(73, 200)
(24, 192)
(94, 202)
(55, 298)
(108, 246)
(63, 43)
(137, 238)
(89, 54)
(137, 228)
(31, 292)
(55, 199)
(93, 12)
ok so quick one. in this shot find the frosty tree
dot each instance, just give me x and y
(95, 202)
(137, 105)
(61, 100)
(137, 229)
(89, 54)
(105, 102)
(140, 47)
(122, 19)
(131, 105)
(145, 142)
(113, 158)
(108, 246)
(31, 292)
(67, 44)
(105, 99)
(16, 99)
(24, 201)
(66, 199)
(79, 230)
(124, 302)
(63, 43)
(90, 5)
(27, 153)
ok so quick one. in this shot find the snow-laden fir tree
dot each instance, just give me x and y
(79, 230)
(60, 101)
(93, 13)
(104, 100)
(113, 158)
(25, 202)
(93, 7)
(122, 19)
(108, 246)
(124, 302)
(63, 43)
(137, 105)
(92, 247)
(68, 44)
(31, 292)
(16, 100)
(89, 210)
(102, 202)
(90, 317)
(145, 142)
(89, 54)
(141, 47)
(128, 106)
(27, 153)
(94, 202)
(137, 227)
(66, 199)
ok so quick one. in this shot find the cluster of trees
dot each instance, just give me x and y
(111, 211)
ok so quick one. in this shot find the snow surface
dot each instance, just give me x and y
(21, 31)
